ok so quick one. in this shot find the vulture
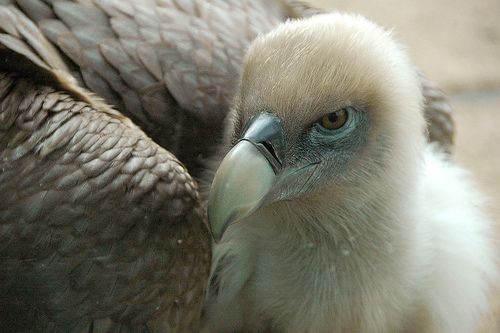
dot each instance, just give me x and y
(330, 211)
(112, 113)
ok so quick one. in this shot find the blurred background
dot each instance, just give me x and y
(457, 44)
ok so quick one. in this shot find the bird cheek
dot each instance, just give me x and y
(295, 182)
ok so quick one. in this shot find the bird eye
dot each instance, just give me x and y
(334, 120)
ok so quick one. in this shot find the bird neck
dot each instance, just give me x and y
(319, 252)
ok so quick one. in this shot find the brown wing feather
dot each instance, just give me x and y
(160, 62)
(439, 115)
(298, 9)
(101, 229)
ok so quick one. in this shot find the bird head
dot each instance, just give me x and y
(328, 115)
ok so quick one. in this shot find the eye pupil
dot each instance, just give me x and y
(334, 120)
(333, 117)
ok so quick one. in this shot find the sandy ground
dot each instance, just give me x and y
(457, 44)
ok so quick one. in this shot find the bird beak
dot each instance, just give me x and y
(246, 174)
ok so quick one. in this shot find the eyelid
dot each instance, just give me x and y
(349, 111)
(348, 108)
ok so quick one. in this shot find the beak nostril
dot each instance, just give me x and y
(265, 132)
(270, 149)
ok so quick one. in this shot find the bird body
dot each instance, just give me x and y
(358, 225)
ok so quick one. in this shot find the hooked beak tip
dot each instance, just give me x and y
(240, 184)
